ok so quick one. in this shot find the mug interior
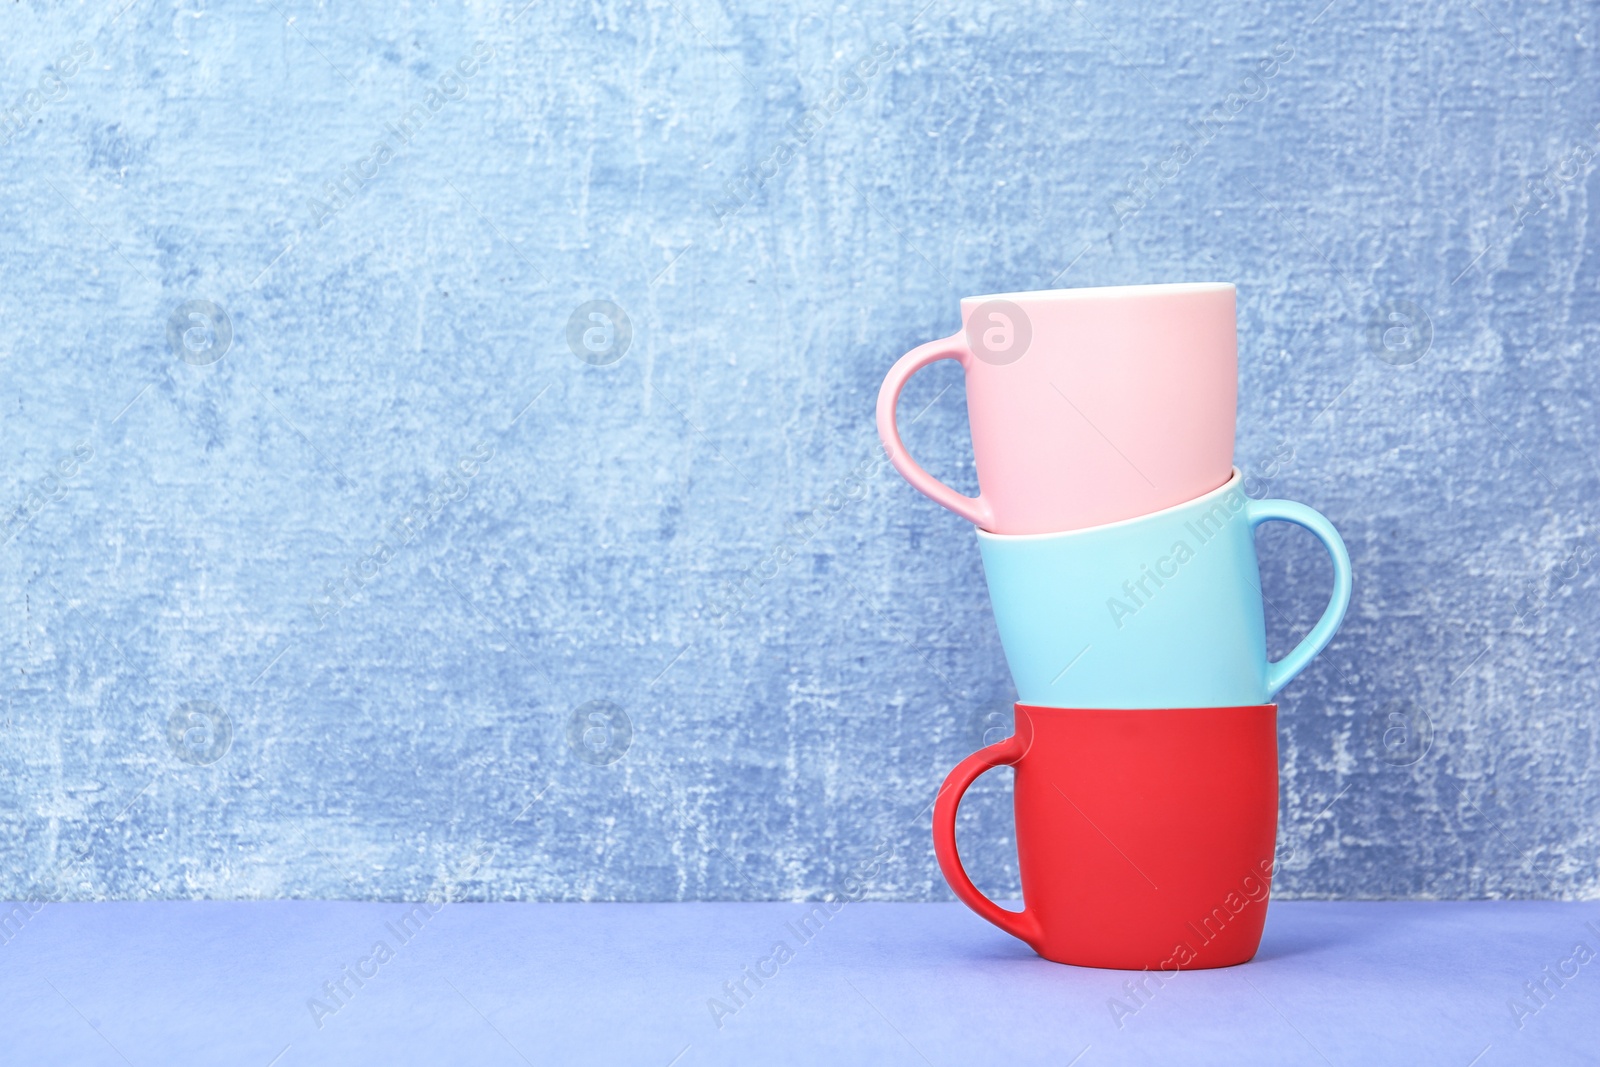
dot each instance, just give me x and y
(1104, 292)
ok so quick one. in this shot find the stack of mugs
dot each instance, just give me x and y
(1119, 548)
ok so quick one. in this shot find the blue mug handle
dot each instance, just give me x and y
(1279, 674)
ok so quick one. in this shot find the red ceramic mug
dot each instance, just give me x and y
(1144, 837)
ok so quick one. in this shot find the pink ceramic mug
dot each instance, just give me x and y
(1087, 406)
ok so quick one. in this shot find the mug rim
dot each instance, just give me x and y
(1107, 292)
(1237, 477)
(1050, 710)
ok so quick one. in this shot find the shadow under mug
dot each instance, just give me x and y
(1086, 406)
(1144, 838)
(1162, 611)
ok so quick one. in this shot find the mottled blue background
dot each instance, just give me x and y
(174, 522)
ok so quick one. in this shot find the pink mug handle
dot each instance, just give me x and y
(974, 509)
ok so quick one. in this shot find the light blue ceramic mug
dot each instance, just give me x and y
(1161, 611)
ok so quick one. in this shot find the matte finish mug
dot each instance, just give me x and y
(1087, 406)
(1144, 838)
(1163, 611)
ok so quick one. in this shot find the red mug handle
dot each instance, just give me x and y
(974, 509)
(1020, 924)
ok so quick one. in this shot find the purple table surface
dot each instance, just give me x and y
(289, 983)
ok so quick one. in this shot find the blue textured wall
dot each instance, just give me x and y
(329, 509)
